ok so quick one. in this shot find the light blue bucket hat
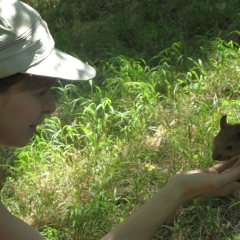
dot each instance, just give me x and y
(26, 46)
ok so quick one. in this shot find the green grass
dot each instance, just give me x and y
(115, 141)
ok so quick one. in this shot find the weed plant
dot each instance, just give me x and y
(163, 83)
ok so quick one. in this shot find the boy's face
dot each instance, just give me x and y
(22, 108)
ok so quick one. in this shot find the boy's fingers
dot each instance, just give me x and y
(232, 175)
(227, 164)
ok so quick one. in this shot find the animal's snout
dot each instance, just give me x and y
(217, 157)
(220, 157)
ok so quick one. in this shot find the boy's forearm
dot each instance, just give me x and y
(147, 220)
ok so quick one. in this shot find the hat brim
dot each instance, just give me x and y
(63, 66)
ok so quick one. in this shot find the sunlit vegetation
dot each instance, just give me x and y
(167, 72)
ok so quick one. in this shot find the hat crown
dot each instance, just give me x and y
(15, 18)
(24, 37)
(26, 46)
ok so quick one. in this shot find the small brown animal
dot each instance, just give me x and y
(227, 142)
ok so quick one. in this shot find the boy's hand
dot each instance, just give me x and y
(219, 180)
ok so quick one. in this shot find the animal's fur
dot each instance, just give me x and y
(227, 141)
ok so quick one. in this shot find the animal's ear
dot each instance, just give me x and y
(223, 122)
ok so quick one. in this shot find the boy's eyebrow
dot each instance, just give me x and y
(38, 82)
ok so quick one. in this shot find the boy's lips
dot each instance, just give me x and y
(33, 128)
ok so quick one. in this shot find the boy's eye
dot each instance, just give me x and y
(42, 93)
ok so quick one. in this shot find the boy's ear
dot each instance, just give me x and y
(223, 122)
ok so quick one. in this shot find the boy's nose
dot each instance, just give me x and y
(50, 105)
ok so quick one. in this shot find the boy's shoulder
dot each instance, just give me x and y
(12, 227)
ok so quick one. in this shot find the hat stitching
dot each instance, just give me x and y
(23, 36)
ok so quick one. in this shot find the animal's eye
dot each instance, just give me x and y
(229, 147)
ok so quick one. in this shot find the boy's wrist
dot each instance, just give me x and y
(178, 192)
